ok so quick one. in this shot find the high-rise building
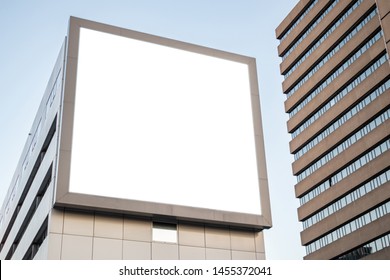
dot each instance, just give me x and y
(142, 148)
(335, 62)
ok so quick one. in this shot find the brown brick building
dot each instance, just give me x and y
(335, 62)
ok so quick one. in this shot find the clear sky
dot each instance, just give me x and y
(32, 32)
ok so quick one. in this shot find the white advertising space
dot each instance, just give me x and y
(160, 124)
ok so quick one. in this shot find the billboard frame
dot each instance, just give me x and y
(153, 210)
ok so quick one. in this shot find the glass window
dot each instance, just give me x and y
(163, 232)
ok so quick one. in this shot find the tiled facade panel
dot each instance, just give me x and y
(76, 247)
(78, 235)
(107, 249)
(192, 253)
(137, 250)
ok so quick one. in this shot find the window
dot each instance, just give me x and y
(37, 242)
(340, 121)
(163, 232)
(349, 227)
(312, 26)
(296, 22)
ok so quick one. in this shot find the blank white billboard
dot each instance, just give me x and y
(160, 124)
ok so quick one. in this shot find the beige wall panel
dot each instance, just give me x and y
(108, 226)
(259, 242)
(242, 255)
(56, 221)
(243, 241)
(54, 246)
(78, 223)
(217, 238)
(165, 251)
(137, 230)
(191, 235)
(218, 254)
(192, 253)
(136, 250)
(75, 247)
(107, 249)
(260, 256)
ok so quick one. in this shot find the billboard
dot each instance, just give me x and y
(157, 127)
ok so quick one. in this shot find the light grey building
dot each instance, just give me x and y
(142, 148)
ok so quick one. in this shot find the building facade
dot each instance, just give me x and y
(48, 214)
(335, 62)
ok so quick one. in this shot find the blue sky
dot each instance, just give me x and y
(32, 33)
